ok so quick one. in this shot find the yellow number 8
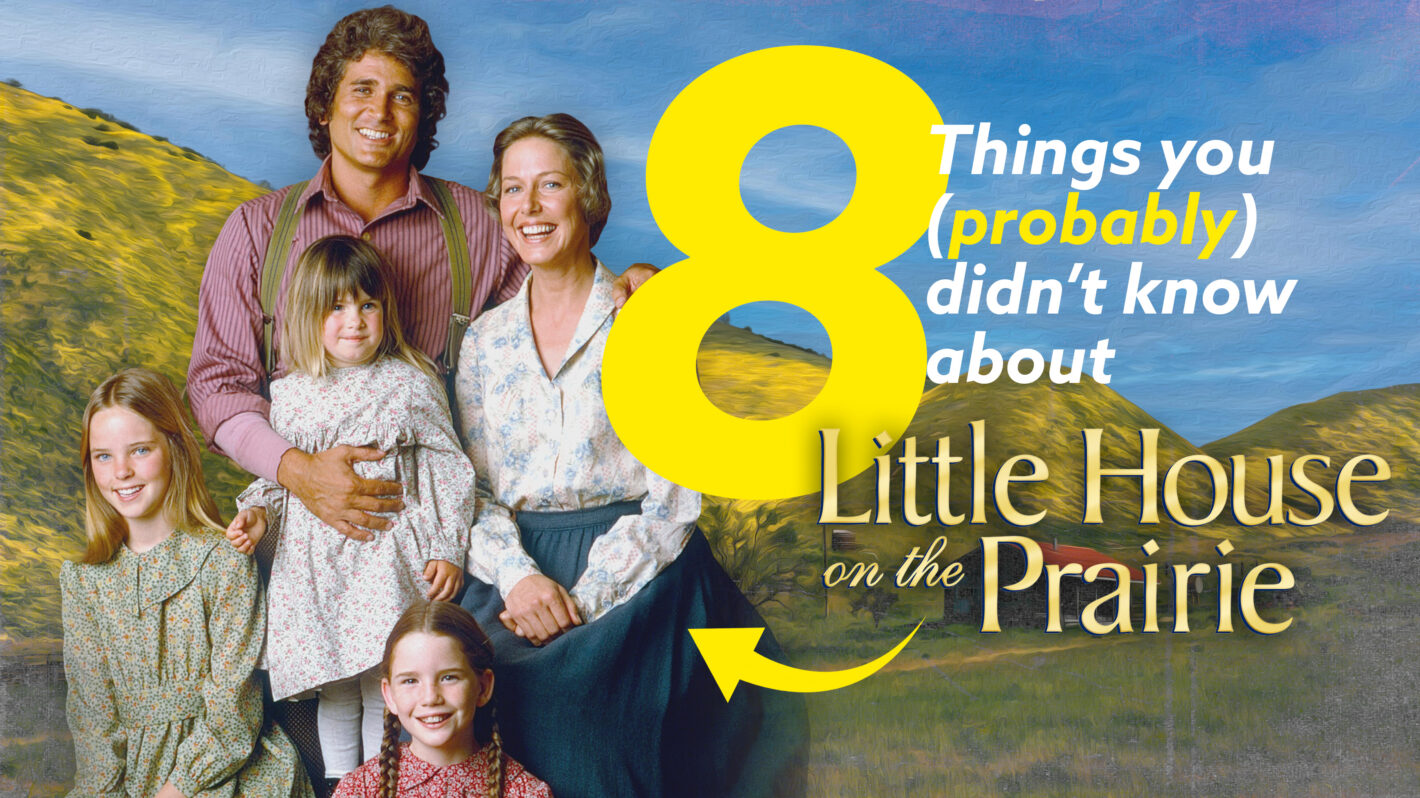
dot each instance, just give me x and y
(652, 393)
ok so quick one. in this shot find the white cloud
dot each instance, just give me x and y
(176, 55)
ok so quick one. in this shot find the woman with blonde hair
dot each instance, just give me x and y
(587, 567)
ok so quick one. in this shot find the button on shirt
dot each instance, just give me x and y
(540, 443)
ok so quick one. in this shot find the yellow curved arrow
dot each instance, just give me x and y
(731, 657)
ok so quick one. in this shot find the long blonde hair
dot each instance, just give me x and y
(187, 503)
(328, 270)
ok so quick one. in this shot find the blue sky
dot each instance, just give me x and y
(1334, 85)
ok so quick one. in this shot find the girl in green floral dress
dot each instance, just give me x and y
(162, 620)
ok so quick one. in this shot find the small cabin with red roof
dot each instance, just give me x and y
(964, 602)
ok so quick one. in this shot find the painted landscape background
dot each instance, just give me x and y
(105, 232)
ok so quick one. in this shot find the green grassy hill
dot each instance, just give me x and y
(1383, 422)
(751, 376)
(1047, 421)
(747, 374)
(105, 234)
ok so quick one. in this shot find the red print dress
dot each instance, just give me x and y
(419, 779)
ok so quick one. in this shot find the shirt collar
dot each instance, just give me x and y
(169, 566)
(414, 771)
(598, 311)
(323, 186)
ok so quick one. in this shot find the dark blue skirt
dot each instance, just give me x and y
(625, 706)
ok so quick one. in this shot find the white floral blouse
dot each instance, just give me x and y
(541, 444)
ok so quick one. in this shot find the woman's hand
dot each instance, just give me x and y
(168, 791)
(247, 529)
(445, 579)
(539, 609)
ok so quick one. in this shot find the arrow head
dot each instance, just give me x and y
(727, 652)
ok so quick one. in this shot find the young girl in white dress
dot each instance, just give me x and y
(353, 380)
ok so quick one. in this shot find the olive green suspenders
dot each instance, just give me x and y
(274, 265)
(278, 251)
(460, 281)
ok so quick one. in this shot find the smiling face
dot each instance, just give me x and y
(352, 330)
(538, 204)
(435, 693)
(374, 117)
(131, 468)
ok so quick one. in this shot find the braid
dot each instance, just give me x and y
(454, 622)
(389, 757)
(494, 751)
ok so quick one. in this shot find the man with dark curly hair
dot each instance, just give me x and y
(382, 33)
(373, 103)
(375, 97)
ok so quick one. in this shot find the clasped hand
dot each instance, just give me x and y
(539, 609)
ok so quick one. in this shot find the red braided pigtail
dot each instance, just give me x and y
(494, 752)
(389, 757)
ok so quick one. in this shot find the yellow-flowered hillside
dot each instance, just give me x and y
(104, 237)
